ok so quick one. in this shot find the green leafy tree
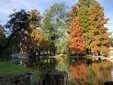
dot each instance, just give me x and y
(17, 24)
(55, 26)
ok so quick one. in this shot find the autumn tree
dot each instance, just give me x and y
(90, 16)
(21, 25)
(98, 32)
(80, 10)
(32, 35)
(76, 39)
(37, 43)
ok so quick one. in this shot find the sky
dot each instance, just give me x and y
(8, 6)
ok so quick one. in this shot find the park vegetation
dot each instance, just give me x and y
(75, 31)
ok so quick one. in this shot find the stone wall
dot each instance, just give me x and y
(23, 79)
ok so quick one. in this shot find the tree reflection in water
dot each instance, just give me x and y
(98, 73)
(81, 73)
(87, 74)
(78, 72)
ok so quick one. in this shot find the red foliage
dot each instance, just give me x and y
(76, 39)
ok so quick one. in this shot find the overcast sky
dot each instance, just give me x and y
(7, 7)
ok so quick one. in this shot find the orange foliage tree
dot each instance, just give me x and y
(76, 39)
(98, 33)
(35, 43)
(33, 36)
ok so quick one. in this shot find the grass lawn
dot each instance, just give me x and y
(8, 68)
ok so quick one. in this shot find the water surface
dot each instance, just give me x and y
(81, 73)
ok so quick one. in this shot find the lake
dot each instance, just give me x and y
(81, 73)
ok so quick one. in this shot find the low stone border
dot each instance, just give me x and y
(22, 79)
